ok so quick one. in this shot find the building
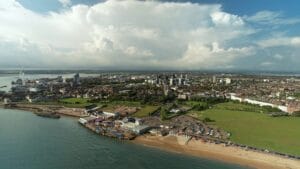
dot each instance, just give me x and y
(171, 82)
(91, 108)
(85, 120)
(280, 107)
(214, 79)
(293, 106)
(76, 80)
(141, 129)
(108, 115)
(227, 81)
(182, 96)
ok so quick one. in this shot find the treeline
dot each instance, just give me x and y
(206, 102)
(210, 100)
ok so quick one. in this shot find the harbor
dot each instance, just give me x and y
(115, 126)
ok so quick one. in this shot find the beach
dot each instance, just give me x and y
(220, 152)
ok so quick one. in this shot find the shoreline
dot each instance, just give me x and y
(197, 148)
(229, 154)
(61, 110)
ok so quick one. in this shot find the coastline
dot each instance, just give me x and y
(219, 152)
(61, 110)
(181, 145)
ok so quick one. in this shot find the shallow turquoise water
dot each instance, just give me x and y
(31, 142)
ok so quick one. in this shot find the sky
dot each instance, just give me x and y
(154, 35)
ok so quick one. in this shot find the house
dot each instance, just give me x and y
(128, 119)
(175, 111)
(91, 108)
(182, 96)
(85, 120)
(293, 106)
(110, 115)
(141, 129)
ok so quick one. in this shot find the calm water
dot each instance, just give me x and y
(31, 142)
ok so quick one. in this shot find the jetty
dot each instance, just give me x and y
(52, 115)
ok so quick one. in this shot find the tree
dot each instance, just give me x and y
(296, 114)
(206, 119)
(163, 114)
(201, 106)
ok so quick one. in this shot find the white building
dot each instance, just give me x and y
(227, 80)
(214, 79)
(171, 82)
(85, 120)
(234, 97)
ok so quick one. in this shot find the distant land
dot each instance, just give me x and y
(91, 71)
(211, 114)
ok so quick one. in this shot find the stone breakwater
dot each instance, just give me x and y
(36, 108)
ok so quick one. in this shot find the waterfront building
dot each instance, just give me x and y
(85, 120)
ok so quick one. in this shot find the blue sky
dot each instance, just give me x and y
(203, 34)
(240, 7)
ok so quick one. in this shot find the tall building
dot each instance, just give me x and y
(171, 82)
(166, 90)
(214, 79)
(76, 79)
(179, 81)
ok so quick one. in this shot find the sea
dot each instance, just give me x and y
(28, 141)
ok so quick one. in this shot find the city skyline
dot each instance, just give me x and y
(137, 35)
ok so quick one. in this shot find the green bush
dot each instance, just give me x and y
(206, 120)
(201, 106)
(296, 114)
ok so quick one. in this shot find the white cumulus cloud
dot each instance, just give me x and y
(125, 34)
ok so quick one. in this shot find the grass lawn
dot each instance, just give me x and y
(145, 110)
(126, 103)
(191, 103)
(256, 129)
(74, 100)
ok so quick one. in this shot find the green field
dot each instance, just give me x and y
(74, 102)
(192, 103)
(125, 103)
(145, 110)
(256, 129)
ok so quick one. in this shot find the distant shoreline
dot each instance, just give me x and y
(219, 152)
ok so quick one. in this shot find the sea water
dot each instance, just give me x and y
(28, 141)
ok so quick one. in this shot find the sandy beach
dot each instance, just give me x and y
(220, 152)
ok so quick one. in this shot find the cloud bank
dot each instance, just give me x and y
(129, 35)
